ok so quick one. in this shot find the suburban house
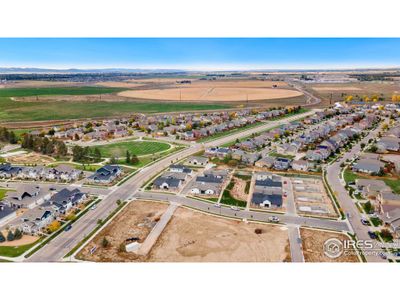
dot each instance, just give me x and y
(369, 166)
(27, 197)
(181, 169)
(267, 191)
(301, 165)
(106, 174)
(65, 199)
(266, 162)
(281, 163)
(7, 213)
(388, 143)
(206, 188)
(198, 160)
(370, 188)
(167, 183)
(34, 220)
(9, 171)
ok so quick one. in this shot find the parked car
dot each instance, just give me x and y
(68, 227)
(365, 222)
(273, 219)
(217, 205)
(93, 207)
(372, 235)
(234, 208)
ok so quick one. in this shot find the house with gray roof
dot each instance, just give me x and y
(369, 166)
(198, 160)
(65, 199)
(106, 174)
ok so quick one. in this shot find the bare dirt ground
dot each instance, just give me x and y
(25, 240)
(30, 158)
(343, 88)
(238, 190)
(195, 237)
(211, 94)
(136, 220)
(119, 84)
(313, 243)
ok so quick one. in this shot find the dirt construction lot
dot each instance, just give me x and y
(30, 158)
(195, 237)
(189, 237)
(313, 246)
(136, 220)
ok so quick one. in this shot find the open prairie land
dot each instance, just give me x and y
(338, 91)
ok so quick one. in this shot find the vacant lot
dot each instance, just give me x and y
(356, 89)
(211, 94)
(134, 147)
(136, 220)
(313, 246)
(30, 158)
(195, 237)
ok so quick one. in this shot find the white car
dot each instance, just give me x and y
(273, 219)
(234, 208)
(93, 207)
(217, 205)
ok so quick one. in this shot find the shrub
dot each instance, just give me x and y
(258, 231)
(105, 243)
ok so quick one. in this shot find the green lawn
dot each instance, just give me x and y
(394, 184)
(229, 200)
(134, 147)
(3, 192)
(349, 176)
(62, 110)
(274, 154)
(10, 251)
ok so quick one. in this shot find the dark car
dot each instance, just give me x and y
(68, 228)
(132, 239)
(372, 235)
(365, 222)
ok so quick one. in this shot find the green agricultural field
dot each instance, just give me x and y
(134, 147)
(50, 91)
(64, 110)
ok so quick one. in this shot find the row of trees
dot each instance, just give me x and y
(44, 145)
(7, 136)
(85, 154)
(11, 236)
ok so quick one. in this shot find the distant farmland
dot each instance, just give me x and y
(32, 110)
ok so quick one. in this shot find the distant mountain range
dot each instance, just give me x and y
(74, 71)
(4, 70)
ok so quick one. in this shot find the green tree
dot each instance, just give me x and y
(17, 234)
(10, 236)
(2, 238)
(134, 159)
(128, 157)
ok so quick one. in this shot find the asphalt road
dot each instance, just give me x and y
(62, 244)
(244, 214)
(346, 202)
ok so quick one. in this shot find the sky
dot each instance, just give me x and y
(201, 53)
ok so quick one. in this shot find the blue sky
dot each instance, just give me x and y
(200, 53)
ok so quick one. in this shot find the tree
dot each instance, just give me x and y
(368, 207)
(10, 236)
(105, 242)
(54, 226)
(113, 160)
(97, 154)
(119, 202)
(134, 159)
(128, 157)
(2, 238)
(17, 234)
(386, 234)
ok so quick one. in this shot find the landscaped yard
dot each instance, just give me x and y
(3, 192)
(134, 147)
(15, 251)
